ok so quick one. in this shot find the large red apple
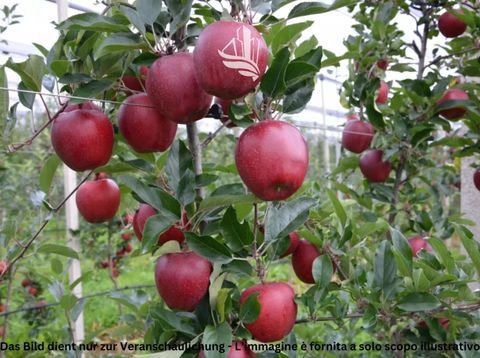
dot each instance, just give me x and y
(278, 311)
(230, 59)
(302, 260)
(135, 83)
(450, 25)
(272, 159)
(294, 240)
(382, 95)
(476, 178)
(238, 349)
(453, 94)
(418, 243)
(83, 139)
(98, 200)
(173, 88)
(182, 279)
(357, 136)
(143, 127)
(373, 167)
(175, 232)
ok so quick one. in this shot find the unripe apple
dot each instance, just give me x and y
(230, 59)
(98, 200)
(418, 243)
(302, 260)
(238, 349)
(453, 94)
(83, 139)
(145, 211)
(357, 136)
(26, 282)
(272, 159)
(476, 178)
(450, 25)
(182, 279)
(143, 127)
(173, 89)
(278, 311)
(294, 240)
(373, 167)
(382, 96)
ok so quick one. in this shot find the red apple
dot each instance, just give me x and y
(173, 89)
(2, 307)
(84, 105)
(127, 219)
(302, 260)
(357, 136)
(26, 282)
(126, 236)
(128, 248)
(98, 200)
(83, 139)
(294, 239)
(120, 252)
(382, 95)
(33, 291)
(104, 264)
(382, 64)
(145, 211)
(418, 243)
(278, 311)
(450, 25)
(453, 94)
(476, 178)
(373, 167)
(238, 349)
(272, 159)
(143, 127)
(352, 117)
(230, 59)
(444, 322)
(182, 279)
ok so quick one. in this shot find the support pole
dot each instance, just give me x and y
(71, 218)
(326, 147)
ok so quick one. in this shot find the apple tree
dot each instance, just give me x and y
(370, 258)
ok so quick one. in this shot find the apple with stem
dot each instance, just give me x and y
(418, 243)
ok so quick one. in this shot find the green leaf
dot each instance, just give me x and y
(471, 246)
(418, 301)
(443, 254)
(134, 18)
(48, 172)
(92, 22)
(218, 201)
(401, 244)
(322, 271)
(314, 7)
(337, 206)
(312, 57)
(250, 308)
(282, 219)
(56, 265)
(119, 42)
(155, 226)
(273, 83)
(60, 67)
(236, 235)
(179, 160)
(186, 188)
(180, 11)
(222, 297)
(26, 98)
(298, 72)
(297, 100)
(384, 269)
(4, 95)
(59, 250)
(288, 34)
(219, 336)
(31, 71)
(208, 247)
(306, 46)
(91, 89)
(148, 10)
(277, 4)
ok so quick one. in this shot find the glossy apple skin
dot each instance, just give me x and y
(173, 88)
(83, 139)
(357, 136)
(143, 127)
(278, 311)
(222, 68)
(294, 241)
(352, 117)
(98, 200)
(418, 243)
(453, 94)
(182, 279)
(143, 213)
(450, 26)
(302, 260)
(373, 167)
(476, 179)
(382, 96)
(237, 350)
(272, 159)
